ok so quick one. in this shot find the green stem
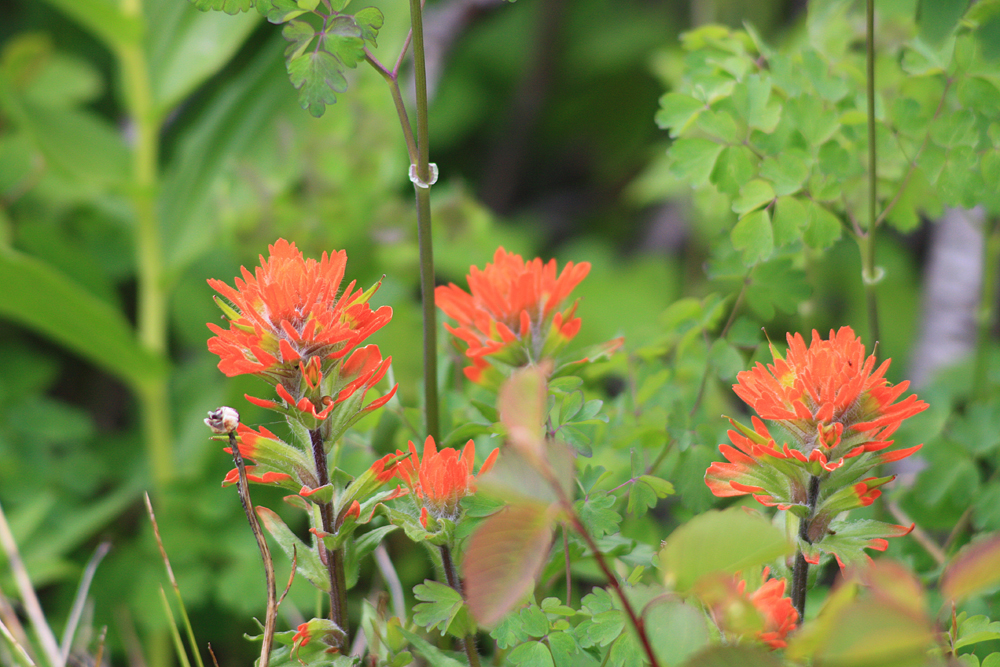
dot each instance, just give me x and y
(451, 575)
(334, 559)
(423, 202)
(868, 268)
(152, 295)
(800, 571)
(985, 312)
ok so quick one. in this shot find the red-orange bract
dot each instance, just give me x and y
(510, 317)
(442, 478)
(289, 311)
(776, 610)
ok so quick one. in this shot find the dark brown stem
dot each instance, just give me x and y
(451, 576)
(265, 552)
(800, 572)
(334, 559)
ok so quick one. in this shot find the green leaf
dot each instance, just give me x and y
(752, 100)
(725, 359)
(937, 18)
(489, 412)
(596, 514)
(370, 21)
(280, 11)
(733, 168)
(824, 227)
(693, 160)
(975, 568)
(641, 497)
(976, 629)
(814, 122)
(300, 34)
(788, 171)
(720, 125)
(342, 38)
(531, 654)
(817, 70)
(317, 75)
(776, 284)
(306, 558)
(439, 605)
(677, 111)
(681, 630)
(715, 541)
(753, 195)
(40, 298)
(790, 217)
(503, 558)
(360, 548)
(754, 237)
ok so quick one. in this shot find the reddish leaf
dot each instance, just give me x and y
(504, 556)
(522, 402)
(977, 566)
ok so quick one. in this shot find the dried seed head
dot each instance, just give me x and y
(223, 420)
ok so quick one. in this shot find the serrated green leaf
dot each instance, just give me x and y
(370, 21)
(836, 161)
(534, 622)
(439, 605)
(753, 101)
(342, 38)
(976, 629)
(693, 160)
(720, 125)
(816, 123)
(300, 34)
(954, 129)
(753, 237)
(661, 487)
(597, 516)
(786, 170)
(776, 284)
(317, 75)
(716, 541)
(279, 11)
(677, 111)
(817, 70)
(641, 497)
(753, 195)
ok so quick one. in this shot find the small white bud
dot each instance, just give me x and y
(223, 420)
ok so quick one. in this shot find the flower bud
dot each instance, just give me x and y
(223, 420)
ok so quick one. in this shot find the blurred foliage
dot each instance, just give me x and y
(542, 124)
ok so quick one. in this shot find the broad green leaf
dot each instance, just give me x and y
(280, 11)
(677, 112)
(369, 20)
(188, 47)
(776, 284)
(727, 541)
(954, 129)
(979, 94)
(680, 630)
(753, 195)
(318, 76)
(719, 124)
(818, 72)
(641, 498)
(531, 654)
(306, 558)
(977, 629)
(816, 123)
(837, 162)
(504, 556)
(694, 159)
(975, 568)
(42, 299)
(439, 606)
(753, 101)
(753, 237)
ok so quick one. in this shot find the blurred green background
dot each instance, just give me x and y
(144, 153)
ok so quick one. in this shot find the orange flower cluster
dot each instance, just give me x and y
(840, 411)
(777, 611)
(511, 315)
(442, 478)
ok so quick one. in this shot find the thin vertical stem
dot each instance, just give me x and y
(423, 203)
(800, 571)
(451, 575)
(986, 311)
(265, 554)
(334, 559)
(869, 270)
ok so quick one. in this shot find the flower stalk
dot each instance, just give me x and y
(334, 557)
(451, 576)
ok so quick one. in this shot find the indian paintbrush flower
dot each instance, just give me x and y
(839, 411)
(775, 608)
(442, 478)
(512, 314)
